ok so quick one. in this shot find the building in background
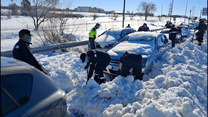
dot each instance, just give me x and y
(89, 9)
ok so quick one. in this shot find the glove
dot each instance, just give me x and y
(86, 66)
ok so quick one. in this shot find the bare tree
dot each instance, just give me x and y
(41, 10)
(25, 7)
(14, 8)
(147, 8)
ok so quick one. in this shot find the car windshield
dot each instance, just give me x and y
(115, 34)
(144, 38)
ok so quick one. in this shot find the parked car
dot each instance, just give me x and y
(193, 25)
(27, 92)
(150, 45)
(185, 32)
(107, 39)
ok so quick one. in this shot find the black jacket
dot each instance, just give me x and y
(201, 27)
(97, 60)
(143, 28)
(173, 32)
(130, 58)
(21, 51)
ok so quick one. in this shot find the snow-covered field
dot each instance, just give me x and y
(176, 86)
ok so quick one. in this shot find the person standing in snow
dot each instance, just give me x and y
(21, 50)
(172, 34)
(201, 31)
(97, 61)
(144, 27)
(168, 24)
(128, 26)
(92, 36)
(131, 61)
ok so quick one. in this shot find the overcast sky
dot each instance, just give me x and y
(131, 5)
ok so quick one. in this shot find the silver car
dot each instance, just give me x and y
(26, 92)
(150, 45)
(109, 38)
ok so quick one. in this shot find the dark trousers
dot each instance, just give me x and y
(100, 67)
(92, 43)
(137, 70)
(173, 41)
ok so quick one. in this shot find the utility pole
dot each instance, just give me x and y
(189, 17)
(185, 10)
(123, 13)
(200, 14)
(161, 10)
(171, 10)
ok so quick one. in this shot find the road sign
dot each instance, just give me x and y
(204, 12)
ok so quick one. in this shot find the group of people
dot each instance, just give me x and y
(174, 31)
(97, 61)
(144, 27)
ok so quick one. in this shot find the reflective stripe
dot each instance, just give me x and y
(92, 32)
(95, 54)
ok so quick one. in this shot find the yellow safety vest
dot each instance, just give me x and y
(93, 32)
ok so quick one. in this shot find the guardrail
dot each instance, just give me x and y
(157, 29)
(49, 48)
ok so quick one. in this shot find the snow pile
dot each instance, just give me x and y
(178, 88)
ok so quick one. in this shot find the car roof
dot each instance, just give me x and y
(143, 33)
(121, 29)
(8, 62)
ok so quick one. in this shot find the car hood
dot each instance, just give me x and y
(104, 40)
(145, 49)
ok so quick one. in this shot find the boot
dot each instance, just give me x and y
(98, 80)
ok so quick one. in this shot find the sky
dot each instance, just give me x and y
(131, 5)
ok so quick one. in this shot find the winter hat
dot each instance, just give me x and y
(82, 57)
(97, 25)
(24, 31)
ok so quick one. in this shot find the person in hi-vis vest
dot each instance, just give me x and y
(92, 35)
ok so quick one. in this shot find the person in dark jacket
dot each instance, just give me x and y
(144, 27)
(21, 50)
(97, 61)
(128, 26)
(168, 24)
(172, 34)
(131, 61)
(201, 31)
(92, 36)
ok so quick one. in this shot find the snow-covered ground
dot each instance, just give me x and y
(176, 86)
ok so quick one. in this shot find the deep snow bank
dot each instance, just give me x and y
(176, 87)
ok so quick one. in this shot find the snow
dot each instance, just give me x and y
(176, 86)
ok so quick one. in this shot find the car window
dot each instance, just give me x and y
(160, 41)
(125, 39)
(164, 31)
(164, 39)
(126, 32)
(19, 86)
(7, 105)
